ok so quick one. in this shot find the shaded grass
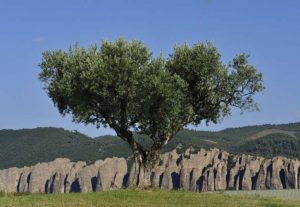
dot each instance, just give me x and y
(142, 198)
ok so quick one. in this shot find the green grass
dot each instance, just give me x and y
(142, 198)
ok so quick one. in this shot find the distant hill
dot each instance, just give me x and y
(267, 132)
(29, 146)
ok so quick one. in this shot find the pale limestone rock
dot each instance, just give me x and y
(9, 179)
(111, 174)
(206, 170)
(87, 178)
(170, 178)
(72, 180)
(24, 180)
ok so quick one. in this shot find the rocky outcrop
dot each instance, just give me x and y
(202, 171)
(111, 174)
(9, 179)
(211, 170)
(64, 176)
(215, 170)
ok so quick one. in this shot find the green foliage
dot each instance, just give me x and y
(30, 146)
(122, 86)
(94, 84)
(272, 145)
(214, 86)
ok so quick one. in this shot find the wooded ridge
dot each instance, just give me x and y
(29, 146)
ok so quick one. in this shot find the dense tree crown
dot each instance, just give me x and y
(121, 85)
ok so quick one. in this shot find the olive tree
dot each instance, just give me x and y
(122, 86)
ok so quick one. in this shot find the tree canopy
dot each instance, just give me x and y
(121, 85)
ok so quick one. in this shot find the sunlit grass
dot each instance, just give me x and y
(145, 198)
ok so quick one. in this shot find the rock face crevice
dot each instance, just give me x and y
(211, 170)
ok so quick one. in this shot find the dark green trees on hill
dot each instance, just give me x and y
(30, 146)
(122, 86)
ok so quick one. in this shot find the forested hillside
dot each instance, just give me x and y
(29, 146)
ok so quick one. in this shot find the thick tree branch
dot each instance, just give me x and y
(126, 135)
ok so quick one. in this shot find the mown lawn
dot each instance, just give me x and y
(132, 198)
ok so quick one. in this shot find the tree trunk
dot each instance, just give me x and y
(141, 170)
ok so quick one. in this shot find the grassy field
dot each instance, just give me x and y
(145, 198)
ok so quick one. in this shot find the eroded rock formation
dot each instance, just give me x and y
(215, 170)
(64, 176)
(211, 170)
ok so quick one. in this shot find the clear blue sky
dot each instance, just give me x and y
(268, 30)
